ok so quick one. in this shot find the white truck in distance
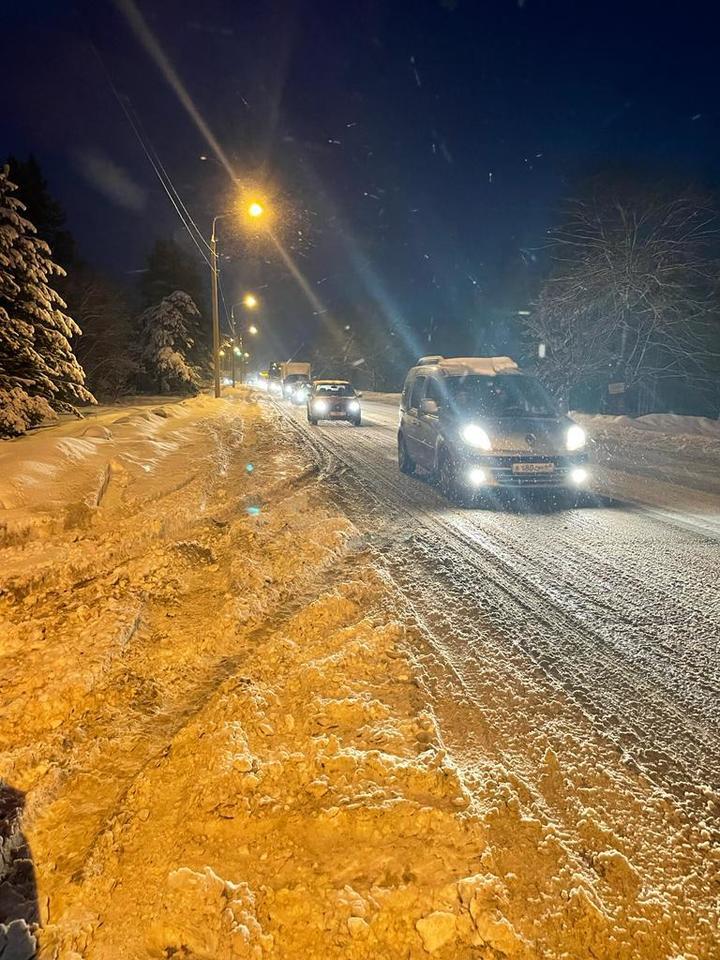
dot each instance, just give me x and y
(294, 373)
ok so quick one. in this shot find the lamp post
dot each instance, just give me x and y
(249, 301)
(215, 309)
(254, 210)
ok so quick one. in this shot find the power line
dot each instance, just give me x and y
(225, 306)
(167, 191)
(171, 184)
(155, 166)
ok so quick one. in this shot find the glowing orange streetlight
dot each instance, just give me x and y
(250, 301)
(254, 210)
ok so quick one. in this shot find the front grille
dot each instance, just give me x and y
(506, 478)
(501, 468)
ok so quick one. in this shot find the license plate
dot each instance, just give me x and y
(533, 467)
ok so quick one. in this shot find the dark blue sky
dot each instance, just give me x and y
(421, 148)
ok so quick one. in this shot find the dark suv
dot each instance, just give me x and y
(479, 422)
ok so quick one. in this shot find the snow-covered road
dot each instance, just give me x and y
(618, 607)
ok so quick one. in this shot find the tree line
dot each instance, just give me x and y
(629, 314)
(70, 334)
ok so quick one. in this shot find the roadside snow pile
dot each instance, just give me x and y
(669, 423)
(694, 437)
(57, 474)
(662, 461)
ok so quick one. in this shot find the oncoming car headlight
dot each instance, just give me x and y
(576, 438)
(320, 406)
(353, 406)
(475, 436)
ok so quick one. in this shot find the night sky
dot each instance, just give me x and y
(417, 151)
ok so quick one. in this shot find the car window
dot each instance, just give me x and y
(417, 392)
(407, 389)
(435, 391)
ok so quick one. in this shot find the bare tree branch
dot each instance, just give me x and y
(634, 292)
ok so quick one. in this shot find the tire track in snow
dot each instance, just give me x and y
(598, 646)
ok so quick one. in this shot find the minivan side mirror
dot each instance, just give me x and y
(358, 393)
(428, 406)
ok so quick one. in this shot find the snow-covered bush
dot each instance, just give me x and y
(18, 411)
(37, 362)
(164, 343)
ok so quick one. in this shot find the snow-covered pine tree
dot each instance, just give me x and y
(38, 369)
(164, 342)
(170, 268)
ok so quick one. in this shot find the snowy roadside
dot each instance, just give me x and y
(59, 470)
(227, 734)
(667, 464)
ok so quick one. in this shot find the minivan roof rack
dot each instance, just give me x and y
(483, 365)
(425, 361)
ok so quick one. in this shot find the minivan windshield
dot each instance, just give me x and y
(504, 395)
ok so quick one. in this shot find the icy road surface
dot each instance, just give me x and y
(618, 607)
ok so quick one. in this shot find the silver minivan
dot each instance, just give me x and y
(478, 423)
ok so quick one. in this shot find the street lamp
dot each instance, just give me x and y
(254, 210)
(250, 301)
(214, 271)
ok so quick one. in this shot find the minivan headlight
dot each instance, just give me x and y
(475, 436)
(576, 438)
(320, 406)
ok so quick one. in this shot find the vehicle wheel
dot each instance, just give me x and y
(312, 421)
(356, 422)
(405, 461)
(450, 487)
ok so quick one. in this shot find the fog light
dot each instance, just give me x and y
(476, 477)
(578, 475)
